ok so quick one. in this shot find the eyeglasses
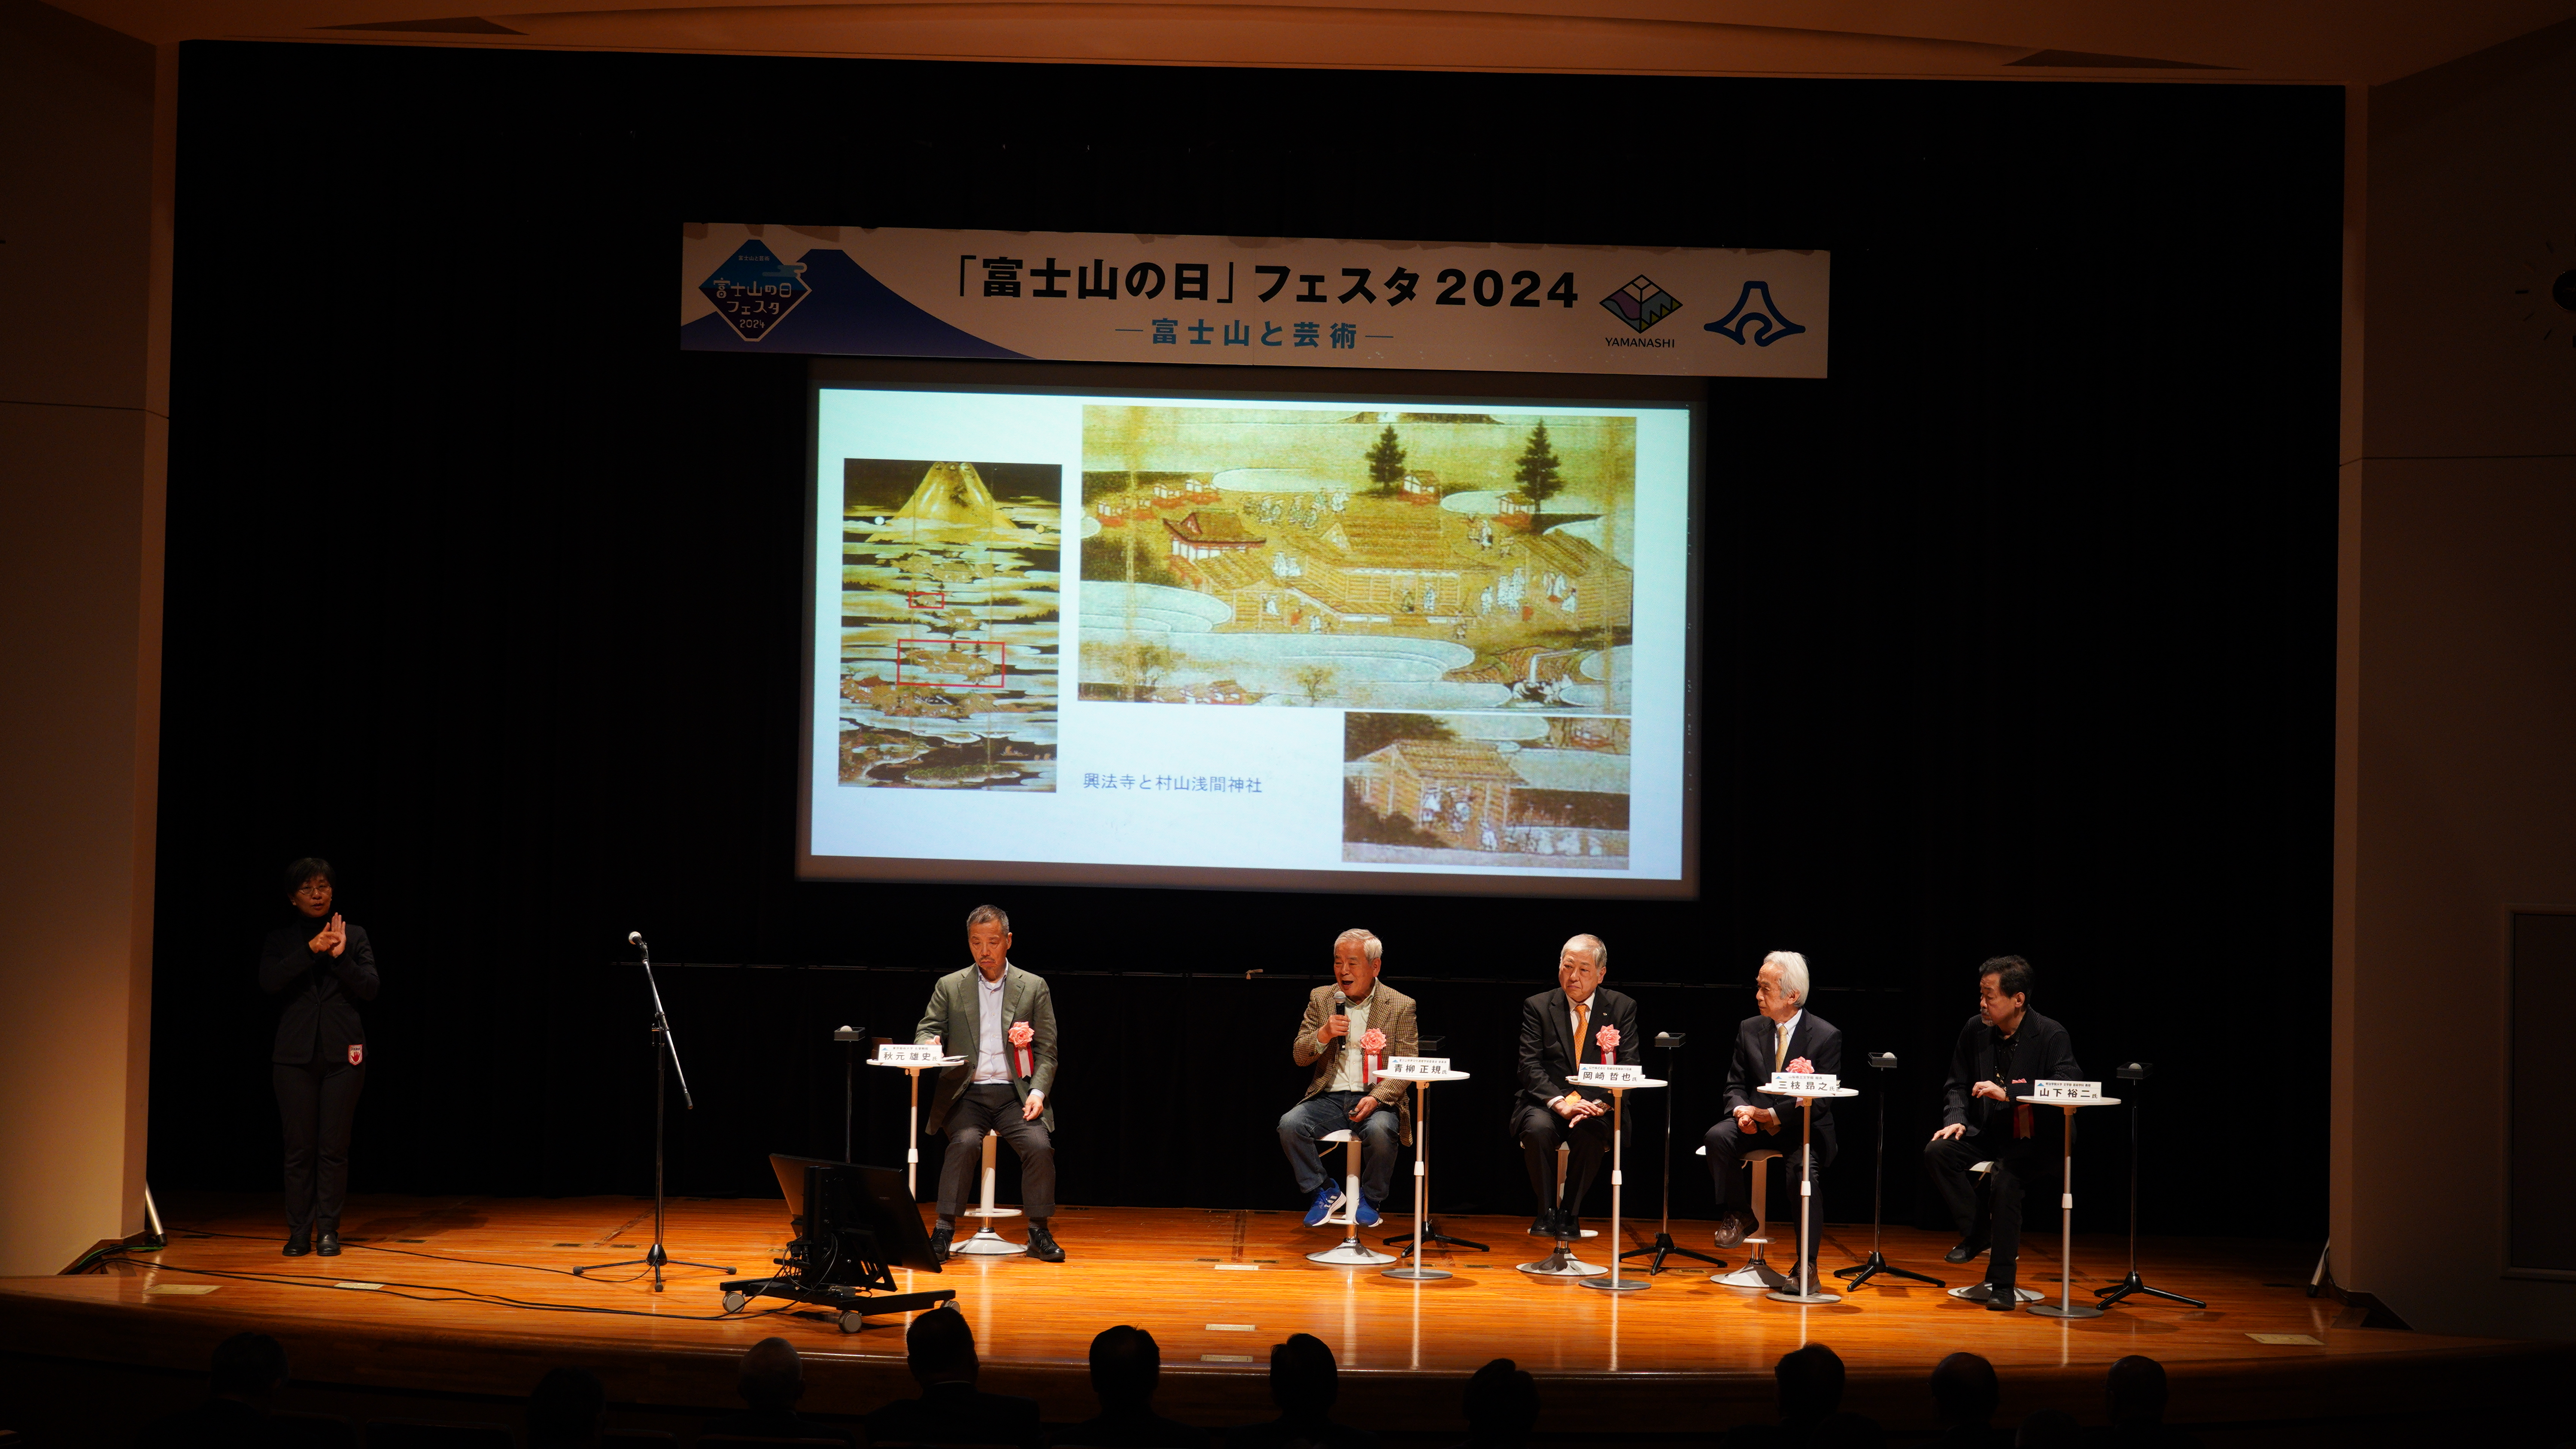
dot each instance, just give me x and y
(310, 889)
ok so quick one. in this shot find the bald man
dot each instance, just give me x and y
(1560, 1031)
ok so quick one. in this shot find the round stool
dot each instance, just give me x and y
(1757, 1271)
(1352, 1253)
(1976, 1292)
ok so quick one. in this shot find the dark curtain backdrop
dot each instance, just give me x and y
(2017, 635)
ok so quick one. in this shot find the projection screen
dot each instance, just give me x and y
(1225, 639)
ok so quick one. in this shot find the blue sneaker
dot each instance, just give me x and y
(1327, 1198)
(1366, 1214)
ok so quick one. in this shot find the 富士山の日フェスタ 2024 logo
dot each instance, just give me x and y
(754, 290)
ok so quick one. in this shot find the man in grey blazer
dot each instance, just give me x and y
(1002, 1086)
(1339, 1017)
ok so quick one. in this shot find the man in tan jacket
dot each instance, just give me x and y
(1002, 1087)
(1346, 1089)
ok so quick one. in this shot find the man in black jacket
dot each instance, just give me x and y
(2004, 1048)
(317, 969)
(1783, 1036)
(1561, 1030)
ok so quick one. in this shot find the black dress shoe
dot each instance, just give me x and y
(1042, 1245)
(940, 1238)
(298, 1246)
(1967, 1251)
(328, 1246)
(2002, 1300)
(1732, 1227)
(1543, 1226)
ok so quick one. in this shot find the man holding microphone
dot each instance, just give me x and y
(1353, 1024)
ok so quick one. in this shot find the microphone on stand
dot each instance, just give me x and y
(635, 938)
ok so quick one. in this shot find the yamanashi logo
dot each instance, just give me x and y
(754, 290)
(1641, 304)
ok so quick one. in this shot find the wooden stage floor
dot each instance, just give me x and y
(472, 1297)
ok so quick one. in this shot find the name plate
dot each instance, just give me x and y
(2048, 1091)
(1601, 1074)
(1417, 1066)
(1800, 1083)
(905, 1054)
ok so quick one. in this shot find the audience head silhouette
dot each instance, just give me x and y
(1126, 1363)
(565, 1410)
(248, 1368)
(940, 1347)
(1303, 1379)
(1502, 1402)
(772, 1377)
(1811, 1383)
(1964, 1391)
(2048, 1429)
(2136, 1388)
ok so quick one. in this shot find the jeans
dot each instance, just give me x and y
(1380, 1140)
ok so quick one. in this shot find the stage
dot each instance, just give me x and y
(413, 1317)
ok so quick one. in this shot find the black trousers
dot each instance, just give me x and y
(995, 1107)
(1540, 1131)
(317, 1101)
(2027, 1170)
(1727, 1145)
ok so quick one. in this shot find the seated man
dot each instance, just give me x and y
(1561, 1030)
(1304, 1382)
(771, 1379)
(978, 1014)
(1782, 1037)
(1341, 1093)
(2003, 1049)
(1126, 1363)
(940, 1350)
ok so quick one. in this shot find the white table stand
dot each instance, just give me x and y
(1414, 1271)
(912, 1118)
(1613, 1282)
(1562, 1263)
(1352, 1253)
(2066, 1306)
(986, 1243)
(1805, 1283)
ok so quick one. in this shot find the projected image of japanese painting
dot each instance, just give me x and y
(950, 588)
(1357, 559)
(1546, 791)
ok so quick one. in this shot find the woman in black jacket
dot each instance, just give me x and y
(318, 968)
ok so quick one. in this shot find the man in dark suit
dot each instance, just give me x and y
(940, 1350)
(1783, 1037)
(1561, 1030)
(2004, 1048)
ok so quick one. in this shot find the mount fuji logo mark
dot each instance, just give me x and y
(1763, 320)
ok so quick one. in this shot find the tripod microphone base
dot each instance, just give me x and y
(2135, 1287)
(656, 1260)
(1665, 1247)
(1877, 1267)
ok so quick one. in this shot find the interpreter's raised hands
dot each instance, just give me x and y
(330, 938)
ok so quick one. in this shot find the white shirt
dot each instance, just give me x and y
(1346, 1075)
(1781, 1032)
(991, 1065)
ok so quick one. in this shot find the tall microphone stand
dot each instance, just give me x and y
(665, 1051)
(1664, 1246)
(1875, 1265)
(2133, 1285)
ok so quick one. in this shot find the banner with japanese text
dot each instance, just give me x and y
(1120, 297)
